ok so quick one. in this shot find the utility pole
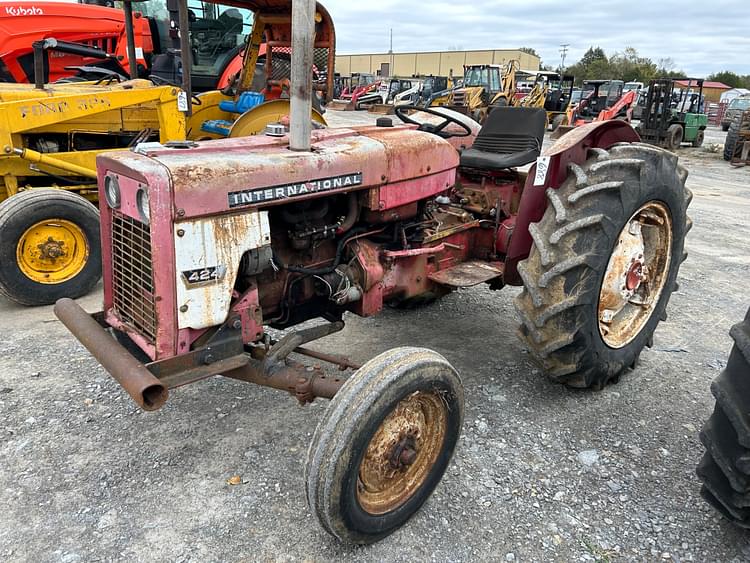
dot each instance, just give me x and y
(563, 54)
(390, 52)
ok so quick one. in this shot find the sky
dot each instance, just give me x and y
(701, 37)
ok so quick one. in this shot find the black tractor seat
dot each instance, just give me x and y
(510, 137)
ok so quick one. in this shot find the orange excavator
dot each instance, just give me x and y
(602, 100)
(88, 40)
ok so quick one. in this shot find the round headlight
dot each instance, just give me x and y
(141, 200)
(112, 191)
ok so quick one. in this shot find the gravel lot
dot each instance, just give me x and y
(541, 473)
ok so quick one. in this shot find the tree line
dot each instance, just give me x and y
(630, 66)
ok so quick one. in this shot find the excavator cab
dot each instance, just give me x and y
(599, 95)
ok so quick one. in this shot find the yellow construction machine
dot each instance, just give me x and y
(51, 134)
(484, 87)
(551, 92)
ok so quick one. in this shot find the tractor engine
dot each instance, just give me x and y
(246, 233)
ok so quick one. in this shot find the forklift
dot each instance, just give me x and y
(673, 116)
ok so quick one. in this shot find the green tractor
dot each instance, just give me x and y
(673, 116)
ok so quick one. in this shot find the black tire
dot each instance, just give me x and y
(557, 121)
(17, 214)
(699, 138)
(334, 460)
(732, 136)
(675, 134)
(564, 273)
(725, 467)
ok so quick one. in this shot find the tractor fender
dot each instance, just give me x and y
(572, 148)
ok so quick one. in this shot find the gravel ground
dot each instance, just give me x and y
(541, 473)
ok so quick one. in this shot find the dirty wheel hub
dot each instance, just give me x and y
(636, 275)
(402, 452)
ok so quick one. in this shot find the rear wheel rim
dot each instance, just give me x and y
(636, 275)
(52, 251)
(402, 452)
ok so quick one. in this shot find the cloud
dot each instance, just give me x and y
(701, 38)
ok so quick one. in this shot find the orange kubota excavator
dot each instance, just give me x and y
(88, 40)
(602, 100)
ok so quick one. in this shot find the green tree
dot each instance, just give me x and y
(729, 78)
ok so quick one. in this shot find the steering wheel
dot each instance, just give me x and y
(429, 127)
(159, 81)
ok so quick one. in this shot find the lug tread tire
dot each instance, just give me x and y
(725, 467)
(733, 133)
(24, 208)
(331, 455)
(571, 249)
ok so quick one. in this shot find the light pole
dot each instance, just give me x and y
(563, 54)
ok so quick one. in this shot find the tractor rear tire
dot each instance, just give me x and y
(36, 224)
(675, 134)
(699, 138)
(384, 444)
(725, 467)
(566, 322)
(732, 136)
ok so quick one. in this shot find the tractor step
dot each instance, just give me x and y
(468, 274)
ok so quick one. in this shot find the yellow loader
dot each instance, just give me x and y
(51, 134)
(485, 87)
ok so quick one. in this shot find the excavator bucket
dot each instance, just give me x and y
(382, 109)
(341, 105)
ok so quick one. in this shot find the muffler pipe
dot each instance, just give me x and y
(146, 390)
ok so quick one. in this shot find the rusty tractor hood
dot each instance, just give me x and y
(227, 175)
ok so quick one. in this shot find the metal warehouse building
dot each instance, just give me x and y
(438, 63)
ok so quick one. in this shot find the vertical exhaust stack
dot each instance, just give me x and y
(127, 6)
(303, 39)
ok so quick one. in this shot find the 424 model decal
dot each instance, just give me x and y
(203, 276)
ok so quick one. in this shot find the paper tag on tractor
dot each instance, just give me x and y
(182, 101)
(542, 168)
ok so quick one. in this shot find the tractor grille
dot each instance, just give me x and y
(282, 62)
(133, 278)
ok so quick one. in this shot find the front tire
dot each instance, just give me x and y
(699, 138)
(725, 467)
(675, 134)
(384, 444)
(607, 224)
(732, 136)
(50, 247)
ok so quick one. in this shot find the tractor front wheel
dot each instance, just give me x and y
(604, 263)
(675, 134)
(50, 247)
(699, 138)
(384, 444)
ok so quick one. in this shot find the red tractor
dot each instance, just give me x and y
(208, 245)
